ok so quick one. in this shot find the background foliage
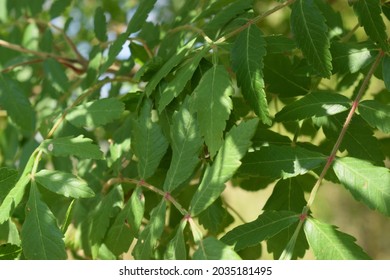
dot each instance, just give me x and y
(127, 126)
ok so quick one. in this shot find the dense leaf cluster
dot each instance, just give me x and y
(118, 137)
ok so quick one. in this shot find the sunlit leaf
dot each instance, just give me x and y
(328, 243)
(376, 114)
(213, 249)
(63, 183)
(95, 113)
(224, 166)
(41, 236)
(213, 105)
(176, 249)
(367, 183)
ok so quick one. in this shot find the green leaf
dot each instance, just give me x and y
(358, 140)
(277, 44)
(283, 78)
(55, 74)
(386, 71)
(367, 183)
(186, 143)
(176, 249)
(224, 166)
(58, 7)
(69, 146)
(287, 195)
(15, 195)
(369, 14)
(100, 25)
(65, 184)
(8, 178)
(96, 113)
(149, 143)
(247, 61)
(41, 236)
(264, 227)
(213, 105)
(274, 162)
(126, 225)
(9, 251)
(113, 51)
(140, 16)
(376, 114)
(215, 218)
(351, 57)
(167, 67)
(311, 35)
(182, 76)
(148, 238)
(319, 103)
(328, 243)
(225, 14)
(213, 249)
(16, 103)
(108, 207)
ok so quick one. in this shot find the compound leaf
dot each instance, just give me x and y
(376, 114)
(224, 166)
(126, 224)
(96, 113)
(41, 236)
(66, 146)
(247, 61)
(186, 143)
(213, 105)
(213, 249)
(369, 14)
(264, 227)
(311, 34)
(65, 184)
(367, 183)
(148, 238)
(328, 243)
(320, 103)
(149, 142)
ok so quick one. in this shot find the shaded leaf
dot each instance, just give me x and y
(69, 146)
(186, 143)
(247, 61)
(328, 243)
(367, 183)
(55, 75)
(215, 218)
(65, 184)
(376, 114)
(148, 238)
(58, 7)
(264, 227)
(182, 76)
(386, 71)
(126, 224)
(176, 249)
(9, 251)
(8, 178)
(149, 142)
(311, 34)
(224, 166)
(274, 162)
(213, 105)
(369, 14)
(96, 113)
(319, 103)
(277, 44)
(41, 236)
(100, 26)
(213, 249)
(16, 103)
(167, 67)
